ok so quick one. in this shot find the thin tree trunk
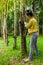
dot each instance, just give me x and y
(41, 4)
(33, 6)
(1, 18)
(42, 28)
(15, 24)
(22, 28)
(5, 36)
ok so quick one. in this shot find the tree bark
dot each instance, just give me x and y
(5, 36)
(15, 25)
(5, 12)
(22, 28)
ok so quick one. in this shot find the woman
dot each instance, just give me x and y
(33, 32)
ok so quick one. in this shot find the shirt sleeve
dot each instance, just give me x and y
(28, 25)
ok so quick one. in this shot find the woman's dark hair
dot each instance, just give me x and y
(28, 12)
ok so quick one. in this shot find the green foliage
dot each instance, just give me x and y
(8, 56)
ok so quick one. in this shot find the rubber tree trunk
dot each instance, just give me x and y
(22, 28)
(33, 6)
(15, 24)
(5, 12)
(5, 36)
(1, 18)
(41, 6)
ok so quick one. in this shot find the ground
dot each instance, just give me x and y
(8, 56)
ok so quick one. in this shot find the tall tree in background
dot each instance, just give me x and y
(5, 13)
(33, 6)
(41, 17)
(22, 28)
(1, 24)
(1, 15)
(15, 24)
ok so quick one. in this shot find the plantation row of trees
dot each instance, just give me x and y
(12, 17)
(38, 7)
